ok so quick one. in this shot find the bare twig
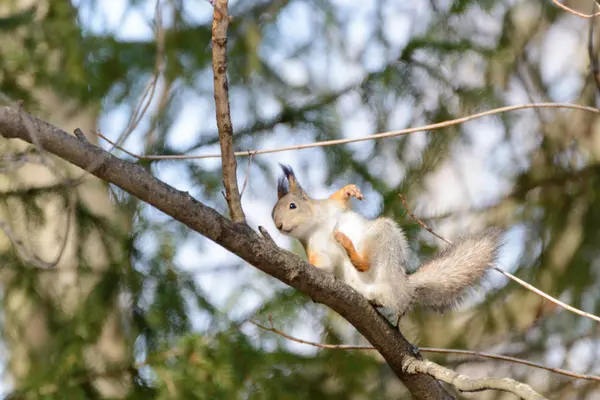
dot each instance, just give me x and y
(148, 94)
(22, 251)
(509, 275)
(29, 256)
(163, 102)
(145, 100)
(547, 296)
(115, 145)
(432, 350)
(383, 135)
(509, 359)
(592, 54)
(571, 11)
(219, 62)
(468, 384)
(418, 221)
(70, 210)
(247, 175)
(314, 344)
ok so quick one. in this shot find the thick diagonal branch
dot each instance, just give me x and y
(219, 63)
(240, 239)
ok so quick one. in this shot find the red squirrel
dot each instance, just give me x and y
(372, 255)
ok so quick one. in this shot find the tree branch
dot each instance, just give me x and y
(219, 63)
(473, 353)
(240, 239)
(468, 384)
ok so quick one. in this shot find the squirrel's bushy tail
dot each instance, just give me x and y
(441, 282)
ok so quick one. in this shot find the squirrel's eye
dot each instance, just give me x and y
(292, 206)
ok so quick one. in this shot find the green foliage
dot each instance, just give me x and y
(17, 19)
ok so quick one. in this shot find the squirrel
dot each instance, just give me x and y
(372, 255)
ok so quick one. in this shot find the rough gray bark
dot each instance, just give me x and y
(240, 239)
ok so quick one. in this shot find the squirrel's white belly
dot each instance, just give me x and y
(333, 257)
(356, 228)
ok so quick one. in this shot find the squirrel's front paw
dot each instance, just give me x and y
(352, 191)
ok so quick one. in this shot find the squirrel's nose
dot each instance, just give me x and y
(279, 225)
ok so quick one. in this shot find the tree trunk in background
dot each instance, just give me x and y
(61, 291)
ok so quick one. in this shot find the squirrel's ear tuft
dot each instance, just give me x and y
(293, 185)
(287, 171)
(282, 188)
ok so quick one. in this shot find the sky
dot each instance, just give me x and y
(445, 191)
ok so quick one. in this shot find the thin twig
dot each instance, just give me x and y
(592, 54)
(29, 256)
(145, 100)
(418, 221)
(509, 275)
(223, 114)
(247, 175)
(432, 350)
(314, 344)
(547, 296)
(571, 11)
(163, 101)
(383, 135)
(509, 359)
(115, 145)
(22, 251)
(148, 94)
(70, 210)
(467, 384)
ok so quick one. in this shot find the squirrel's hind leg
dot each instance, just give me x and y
(360, 261)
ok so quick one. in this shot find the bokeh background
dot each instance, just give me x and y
(139, 307)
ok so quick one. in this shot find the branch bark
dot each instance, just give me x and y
(468, 384)
(240, 239)
(219, 63)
